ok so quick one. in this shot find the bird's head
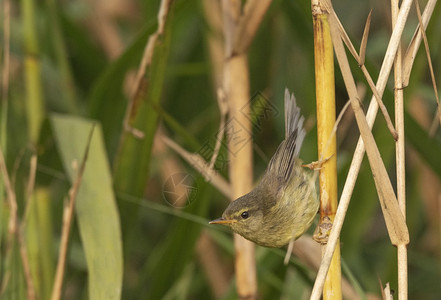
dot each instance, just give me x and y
(244, 216)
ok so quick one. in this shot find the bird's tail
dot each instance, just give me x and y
(293, 120)
(284, 159)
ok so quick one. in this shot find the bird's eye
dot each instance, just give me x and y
(244, 215)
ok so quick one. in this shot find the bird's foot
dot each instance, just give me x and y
(317, 165)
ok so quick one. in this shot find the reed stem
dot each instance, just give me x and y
(325, 98)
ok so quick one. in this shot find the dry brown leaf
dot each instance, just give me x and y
(364, 39)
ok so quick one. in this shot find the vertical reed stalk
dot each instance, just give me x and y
(240, 24)
(241, 167)
(238, 129)
(400, 157)
(325, 97)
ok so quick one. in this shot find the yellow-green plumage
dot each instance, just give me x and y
(284, 203)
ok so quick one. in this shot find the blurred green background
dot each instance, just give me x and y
(141, 225)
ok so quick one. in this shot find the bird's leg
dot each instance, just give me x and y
(288, 252)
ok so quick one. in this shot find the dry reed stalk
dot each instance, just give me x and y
(326, 140)
(400, 158)
(239, 31)
(67, 221)
(236, 88)
(68, 213)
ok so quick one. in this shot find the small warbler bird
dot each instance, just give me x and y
(284, 203)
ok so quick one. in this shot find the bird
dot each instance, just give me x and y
(282, 206)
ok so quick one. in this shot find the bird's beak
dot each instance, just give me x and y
(222, 221)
